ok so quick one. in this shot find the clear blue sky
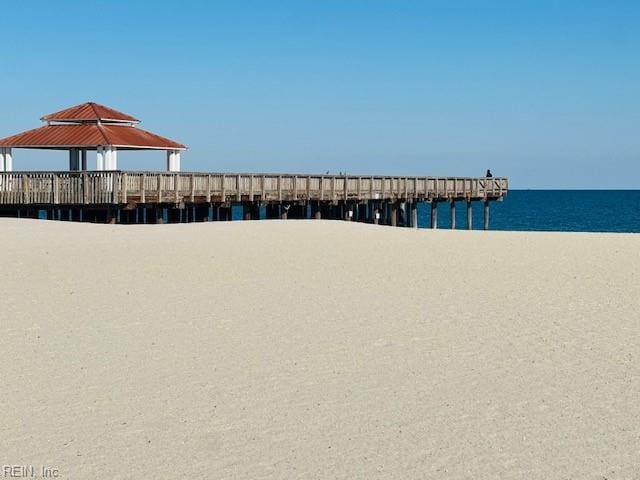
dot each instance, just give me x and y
(545, 92)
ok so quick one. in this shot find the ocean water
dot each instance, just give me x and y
(550, 210)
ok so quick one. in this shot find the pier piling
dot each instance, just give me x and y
(394, 214)
(486, 214)
(434, 214)
(452, 205)
(414, 215)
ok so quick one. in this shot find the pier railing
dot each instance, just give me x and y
(122, 187)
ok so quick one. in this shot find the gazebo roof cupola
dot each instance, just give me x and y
(90, 112)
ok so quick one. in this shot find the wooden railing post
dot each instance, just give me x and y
(114, 183)
(85, 188)
(124, 188)
(176, 187)
(55, 183)
(143, 181)
(224, 188)
(25, 189)
(209, 188)
(159, 188)
(193, 188)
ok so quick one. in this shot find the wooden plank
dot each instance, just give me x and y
(209, 188)
(143, 190)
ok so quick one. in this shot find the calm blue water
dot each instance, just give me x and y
(551, 210)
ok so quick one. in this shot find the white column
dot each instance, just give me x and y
(114, 158)
(8, 160)
(176, 161)
(173, 160)
(107, 158)
(100, 159)
(2, 150)
(110, 158)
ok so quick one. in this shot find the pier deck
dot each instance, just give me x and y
(126, 190)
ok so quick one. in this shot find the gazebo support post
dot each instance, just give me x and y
(173, 160)
(74, 159)
(84, 160)
(100, 158)
(6, 161)
(110, 158)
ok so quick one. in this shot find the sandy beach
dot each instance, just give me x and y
(302, 349)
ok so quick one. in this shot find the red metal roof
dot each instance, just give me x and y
(90, 112)
(89, 135)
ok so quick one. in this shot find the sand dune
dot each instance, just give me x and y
(323, 349)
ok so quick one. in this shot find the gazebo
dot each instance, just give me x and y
(90, 127)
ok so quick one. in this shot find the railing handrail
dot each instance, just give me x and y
(123, 186)
(255, 174)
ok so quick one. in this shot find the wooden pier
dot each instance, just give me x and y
(128, 196)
